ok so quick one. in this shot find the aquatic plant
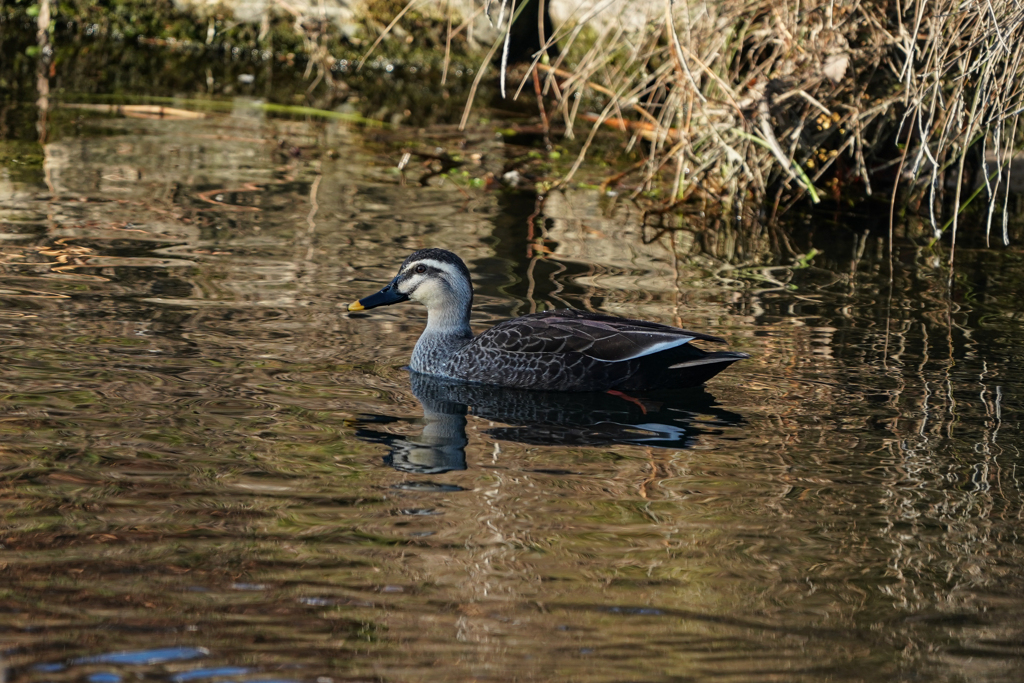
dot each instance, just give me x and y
(738, 100)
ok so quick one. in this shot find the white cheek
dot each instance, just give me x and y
(409, 286)
(429, 292)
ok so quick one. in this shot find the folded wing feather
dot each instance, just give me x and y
(598, 336)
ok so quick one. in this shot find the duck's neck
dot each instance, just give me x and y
(447, 331)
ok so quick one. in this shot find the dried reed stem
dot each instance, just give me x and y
(733, 95)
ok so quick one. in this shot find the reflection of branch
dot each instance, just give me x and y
(531, 284)
(68, 257)
(138, 111)
(538, 206)
(314, 206)
(246, 187)
(43, 68)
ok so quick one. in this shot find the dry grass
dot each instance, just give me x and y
(752, 100)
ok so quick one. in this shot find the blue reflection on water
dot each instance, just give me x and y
(104, 677)
(157, 656)
(138, 657)
(644, 611)
(209, 673)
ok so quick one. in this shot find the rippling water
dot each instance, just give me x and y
(212, 472)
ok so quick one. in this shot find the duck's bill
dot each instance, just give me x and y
(385, 297)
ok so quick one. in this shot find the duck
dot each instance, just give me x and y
(555, 350)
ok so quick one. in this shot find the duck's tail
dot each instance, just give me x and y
(690, 371)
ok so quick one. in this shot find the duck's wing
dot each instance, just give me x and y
(602, 337)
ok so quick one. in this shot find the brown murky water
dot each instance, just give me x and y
(212, 472)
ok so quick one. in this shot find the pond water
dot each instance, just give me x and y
(211, 471)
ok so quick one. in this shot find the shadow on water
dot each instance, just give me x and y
(539, 418)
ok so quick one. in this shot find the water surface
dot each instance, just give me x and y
(212, 472)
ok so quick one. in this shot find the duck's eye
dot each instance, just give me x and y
(420, 269)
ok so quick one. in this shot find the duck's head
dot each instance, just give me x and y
(436, 278)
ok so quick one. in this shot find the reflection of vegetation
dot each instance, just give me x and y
(154, 48)
(23, 161)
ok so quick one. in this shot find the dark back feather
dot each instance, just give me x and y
(598, 336)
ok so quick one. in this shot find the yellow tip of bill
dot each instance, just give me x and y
(356, 306)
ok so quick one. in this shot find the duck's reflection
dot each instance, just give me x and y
(667, 420)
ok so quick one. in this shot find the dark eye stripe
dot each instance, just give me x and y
(422, 268)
